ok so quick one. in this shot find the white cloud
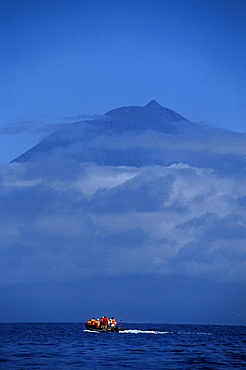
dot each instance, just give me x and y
(95, 178)
(63, 220)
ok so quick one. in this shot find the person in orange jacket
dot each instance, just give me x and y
(113, 322)
(97, 323)
(93, 322)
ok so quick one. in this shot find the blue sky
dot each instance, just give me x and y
(170, 220)
(63, 59)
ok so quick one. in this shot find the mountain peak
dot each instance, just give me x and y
(151, 117)
(153, 103)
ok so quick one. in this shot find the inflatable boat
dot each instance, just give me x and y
(109, 329)
(104, 325)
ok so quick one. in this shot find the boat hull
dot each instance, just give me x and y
(115, 329)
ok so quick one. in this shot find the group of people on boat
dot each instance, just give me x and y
(104, 323)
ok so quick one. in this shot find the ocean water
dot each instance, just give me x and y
(140, 346)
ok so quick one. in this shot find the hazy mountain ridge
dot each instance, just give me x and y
(150, 117)
(139, 136)
(117, 121)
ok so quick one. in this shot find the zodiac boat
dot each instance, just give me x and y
(116, 329)
(95, 326)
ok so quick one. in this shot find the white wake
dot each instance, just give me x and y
(131, 331)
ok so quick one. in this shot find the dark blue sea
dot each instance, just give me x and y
(140, 346)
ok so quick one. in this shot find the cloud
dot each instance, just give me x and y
(63, 220)
(43, 126)
(31, 127)
(101, 142)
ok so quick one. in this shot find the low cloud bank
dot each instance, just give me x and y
(63, 220)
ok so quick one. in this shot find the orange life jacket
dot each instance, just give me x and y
(113, 322)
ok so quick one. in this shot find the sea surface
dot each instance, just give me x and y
(140, 346)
